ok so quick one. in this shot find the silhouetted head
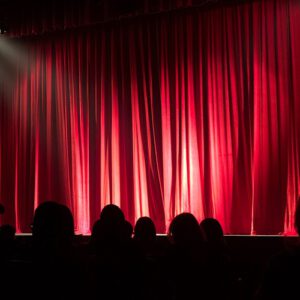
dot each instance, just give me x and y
(2, 209)
(53, 221)
(297, 216)
(109, 229)
(185, 230)
(212, 229)
(144, 229)
(112, 220)
(112, 213)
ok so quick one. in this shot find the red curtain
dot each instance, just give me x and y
(193, 111)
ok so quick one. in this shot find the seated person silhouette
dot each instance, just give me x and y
(218, 258)
(115, 264)
(186, 259)
(55, 272)
(145, 235)
(108, 231)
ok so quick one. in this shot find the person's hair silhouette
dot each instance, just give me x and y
(212, 230)
(144, 230)
(52, 224)
(184, 229)
(109, 229)
(111, 213)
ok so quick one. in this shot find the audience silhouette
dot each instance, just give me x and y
(145, 235)
(187, 258)
(154, 274)
(122, 263)
(212, 230)
(55, 266)
(115, 264)
(53, 228)
(144, 229)
(219, 263)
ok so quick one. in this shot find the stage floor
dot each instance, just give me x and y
(226, 235)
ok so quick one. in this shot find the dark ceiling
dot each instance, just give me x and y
(16, 14)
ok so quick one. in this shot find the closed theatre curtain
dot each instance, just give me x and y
(183, 111)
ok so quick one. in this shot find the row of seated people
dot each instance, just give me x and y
(122, 263)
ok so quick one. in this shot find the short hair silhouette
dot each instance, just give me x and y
(212, 229)
(52, 220)
(185, 229)
(110, 227)
(144, 229)
(112, 213)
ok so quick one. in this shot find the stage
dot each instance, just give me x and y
(256, 247)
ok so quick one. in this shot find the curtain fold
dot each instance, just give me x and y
(193, 111)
